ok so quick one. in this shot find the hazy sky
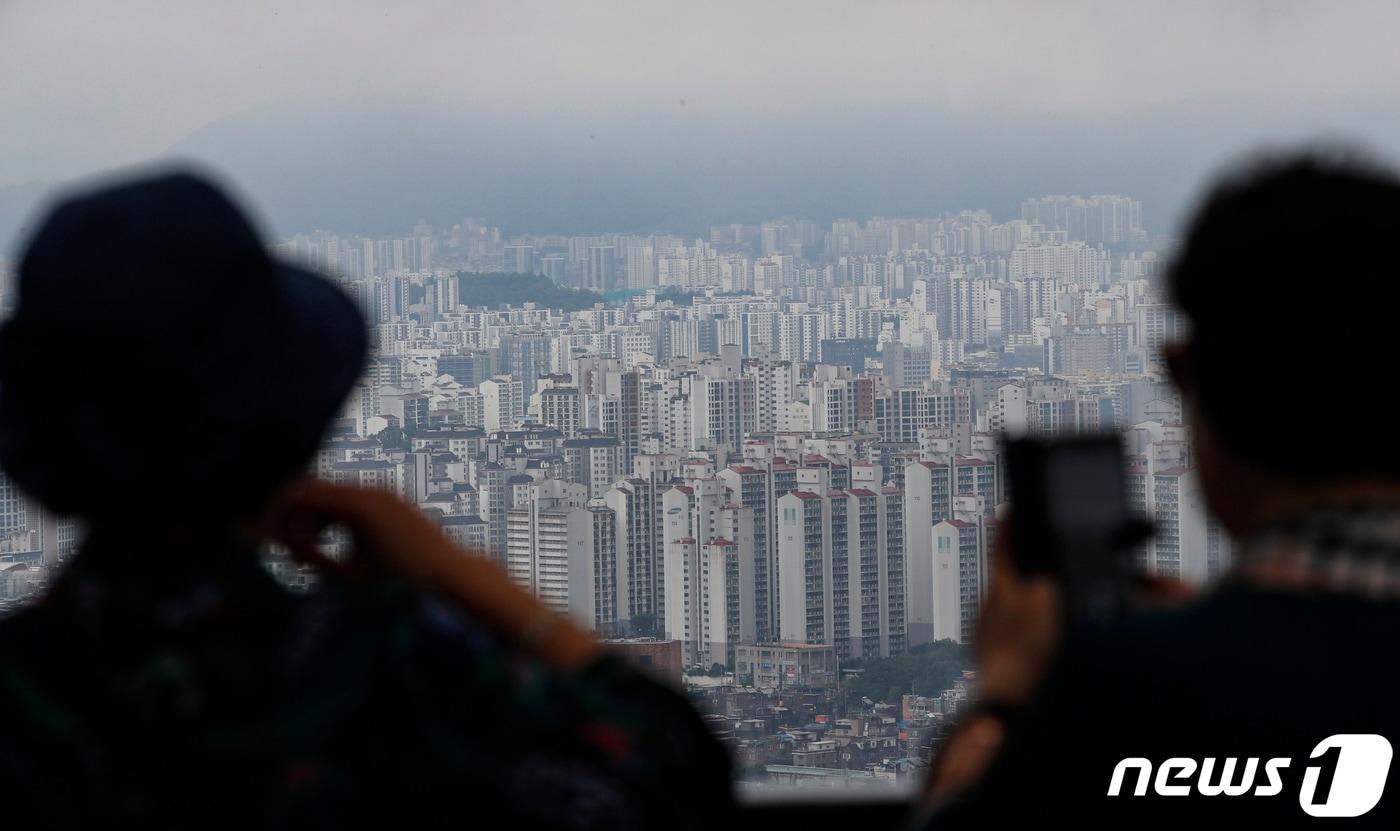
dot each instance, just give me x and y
(88, 84)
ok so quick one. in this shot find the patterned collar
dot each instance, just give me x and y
(1354, 550)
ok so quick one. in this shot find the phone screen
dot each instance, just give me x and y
(1069, 513)
(1084, 487)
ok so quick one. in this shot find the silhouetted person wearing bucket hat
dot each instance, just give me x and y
(166, 382)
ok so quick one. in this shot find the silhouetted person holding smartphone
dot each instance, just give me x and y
(167, 383)
(1272, 698)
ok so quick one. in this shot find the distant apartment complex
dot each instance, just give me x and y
(791, 456)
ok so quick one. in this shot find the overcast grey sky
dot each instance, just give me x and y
(88, 84)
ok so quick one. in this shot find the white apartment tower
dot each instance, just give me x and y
(775, 387)
(502, 402)
(565, 553)
(709, 571)
(841, 576)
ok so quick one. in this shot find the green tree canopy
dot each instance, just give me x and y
(929, 669)
(491, 290)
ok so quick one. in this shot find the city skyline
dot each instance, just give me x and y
(763, 454)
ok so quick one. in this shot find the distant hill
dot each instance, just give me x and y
(927, 670)
(493, 290)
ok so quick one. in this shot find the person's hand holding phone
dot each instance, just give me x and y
(389, 535)
(1018, 633)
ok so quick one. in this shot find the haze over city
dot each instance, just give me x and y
(570, 118)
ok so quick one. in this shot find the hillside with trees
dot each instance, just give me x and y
(928, 670)
(492, 290)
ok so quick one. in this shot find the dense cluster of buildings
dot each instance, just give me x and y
(809, 736)
(800, 449)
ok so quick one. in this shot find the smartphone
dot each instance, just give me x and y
(1070, 519)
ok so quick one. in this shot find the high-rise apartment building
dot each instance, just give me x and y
(841, 571)
(709, 571)
(564, 551)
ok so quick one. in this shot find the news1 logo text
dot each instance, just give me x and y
(1344, 776)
